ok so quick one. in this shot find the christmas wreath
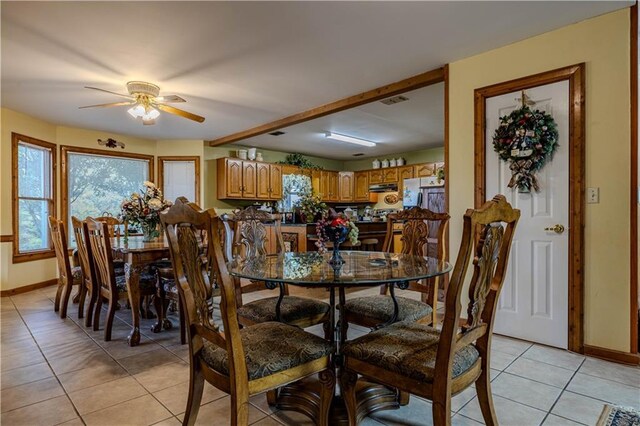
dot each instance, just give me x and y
(527, 140)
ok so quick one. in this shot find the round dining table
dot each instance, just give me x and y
(357, 269)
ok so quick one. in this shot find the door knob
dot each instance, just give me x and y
(558, 229)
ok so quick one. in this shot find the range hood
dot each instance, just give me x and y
(384, 187)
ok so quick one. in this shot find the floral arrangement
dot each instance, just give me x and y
(300, 160)
(311, 206)
(143, 209)
(527, 140)
(336, 228)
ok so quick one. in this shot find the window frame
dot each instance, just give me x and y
(194, 158)
(18, 256)
(68, 149)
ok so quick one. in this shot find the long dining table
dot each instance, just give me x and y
(137, 255)
(359, 269)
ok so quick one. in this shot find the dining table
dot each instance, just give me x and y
(137, 255)
(353, 269)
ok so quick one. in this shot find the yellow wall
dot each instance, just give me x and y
(603, 44)
(430, 155)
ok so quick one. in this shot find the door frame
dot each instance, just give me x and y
(575, 74)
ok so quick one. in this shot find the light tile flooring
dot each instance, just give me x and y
(59, 372)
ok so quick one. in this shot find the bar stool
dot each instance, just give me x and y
(369, 244)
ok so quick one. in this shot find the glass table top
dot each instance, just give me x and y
(360, 268)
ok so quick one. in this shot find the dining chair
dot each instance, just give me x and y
(437, 364)
(113, 226)
(242, 362)
(246, 237)
(88, 270)
(372, 311)
(110, 286)
(68, 276)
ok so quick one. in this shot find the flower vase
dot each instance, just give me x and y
(149, 232)
(336, 259)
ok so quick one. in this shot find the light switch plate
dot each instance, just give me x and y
(593, 195)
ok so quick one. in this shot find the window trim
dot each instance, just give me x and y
(68, 149)
(194, 158)
(17, 256)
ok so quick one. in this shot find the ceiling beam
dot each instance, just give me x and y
(412, 83)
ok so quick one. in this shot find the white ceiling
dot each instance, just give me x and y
(406, 126)
(241, 64)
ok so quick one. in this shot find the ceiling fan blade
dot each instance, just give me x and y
(169, 98)
(109, 91)
(181, 113)
(112, 104)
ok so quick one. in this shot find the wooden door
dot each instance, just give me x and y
(233, 171)
(361, 186)
(275, 181)
(249, 174)
(376, 176)
(425, 170)
(534, 302)
(404, 172)
(346, 186)
(390, 175)
(333, 186)
(263, 180)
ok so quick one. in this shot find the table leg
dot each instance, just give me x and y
(396, 309)
(132, 274)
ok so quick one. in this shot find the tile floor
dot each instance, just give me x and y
(46, 379)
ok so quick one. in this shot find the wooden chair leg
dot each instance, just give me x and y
(441, 408)
(183, 324)
(272, 397)
(96, 312)
(328, 332)
(83, 296)
(160, 306)
(403, 398)
(196, 386)
(239, 410)
(483, 389)
(56, 304)
(88, 320)
(111, 313)
(327, 391)
(348, 381)
(66, 295)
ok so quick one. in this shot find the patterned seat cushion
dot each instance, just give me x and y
(380, 307)
(292, 309)
(76, 275)
(147, 282)
(270, 347)
(407, 348)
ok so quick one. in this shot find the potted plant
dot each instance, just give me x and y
(143, 210)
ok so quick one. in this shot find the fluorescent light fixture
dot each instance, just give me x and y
(349, 139)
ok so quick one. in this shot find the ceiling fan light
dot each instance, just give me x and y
(349, 139)
(136, 111)
(151, 114)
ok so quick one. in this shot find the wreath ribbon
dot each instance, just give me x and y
(521, 175)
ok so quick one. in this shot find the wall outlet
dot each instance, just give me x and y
(593, 195)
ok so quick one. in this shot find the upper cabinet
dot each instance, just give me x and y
(346, 186)
(404, 172)
(329, 186)
(425, 170)
(248, 179)
(361, 191)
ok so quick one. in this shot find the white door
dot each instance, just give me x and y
(533, 304)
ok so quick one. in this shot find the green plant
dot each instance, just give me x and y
(311, 206)
(299, 160)
(440, 174)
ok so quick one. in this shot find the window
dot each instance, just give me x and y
(33, 197)
(179, 177)
(96, 181)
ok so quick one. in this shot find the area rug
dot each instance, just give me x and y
(618, 416)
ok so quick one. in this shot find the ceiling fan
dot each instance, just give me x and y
(145, 100)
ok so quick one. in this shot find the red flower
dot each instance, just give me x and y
(338, 221)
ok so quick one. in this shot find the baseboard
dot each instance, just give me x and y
(26, 288)
(612, 355)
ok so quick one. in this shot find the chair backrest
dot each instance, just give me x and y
(247, 231)
(59, 239)
(491, 227)
(84, 252)
(417, 229)
(196, 269)
(113, 225)
(100, 245)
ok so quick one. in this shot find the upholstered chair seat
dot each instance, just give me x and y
(76, 274)
(380, 307)
(292, 309)
(146, 281)
(408, 348)
(270, 347)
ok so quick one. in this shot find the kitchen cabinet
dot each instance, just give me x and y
(425, 170)
(376, 176)
(404, 172)
(390, 175)
(253, 180)
(329, 186)
(316, 182)
(345, 186)
(361, 184)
